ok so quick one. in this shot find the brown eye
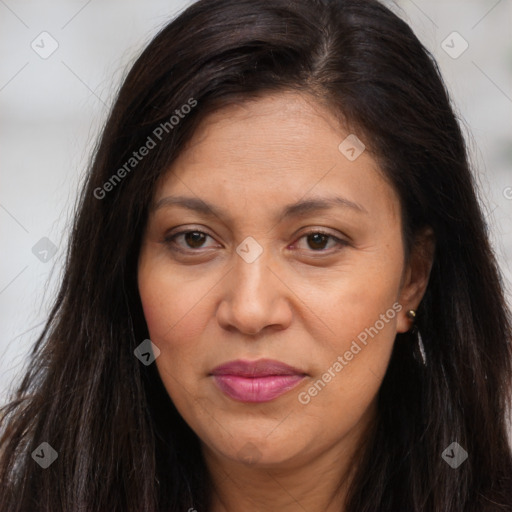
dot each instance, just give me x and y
(191, 239)
(194, 238)
(318, 240)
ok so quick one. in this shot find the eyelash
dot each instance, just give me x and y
(170, 240)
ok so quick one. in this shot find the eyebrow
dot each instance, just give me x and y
(297, 209)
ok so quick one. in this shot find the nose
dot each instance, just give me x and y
(255, 297)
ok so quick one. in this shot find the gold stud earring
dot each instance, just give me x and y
(411, 314)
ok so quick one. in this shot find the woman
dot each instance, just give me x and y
(279, 292)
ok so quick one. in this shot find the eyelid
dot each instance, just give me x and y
(186, 228)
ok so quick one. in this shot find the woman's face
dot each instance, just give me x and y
(298, 258)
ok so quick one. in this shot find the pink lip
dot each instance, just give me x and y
(256, 381)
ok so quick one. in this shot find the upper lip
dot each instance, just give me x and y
(259, 368)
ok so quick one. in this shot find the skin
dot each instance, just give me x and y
(302, 301)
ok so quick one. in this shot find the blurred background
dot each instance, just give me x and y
(61, 65)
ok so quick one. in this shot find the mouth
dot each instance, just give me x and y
(256, 381)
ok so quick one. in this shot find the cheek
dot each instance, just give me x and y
(368, 313)
(349, 376)
(361, 311)
(175, 310)
(356, 299)
(171, 305)
(176, 317)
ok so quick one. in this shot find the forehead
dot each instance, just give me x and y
(270, 152)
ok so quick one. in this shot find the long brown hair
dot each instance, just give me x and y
(121, 444)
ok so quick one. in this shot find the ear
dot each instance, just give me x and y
(416, 275)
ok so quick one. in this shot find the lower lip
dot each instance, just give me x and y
(256, 389)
